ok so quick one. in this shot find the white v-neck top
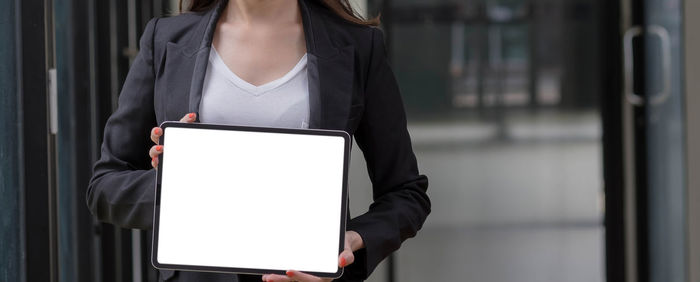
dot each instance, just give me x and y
(228, 99)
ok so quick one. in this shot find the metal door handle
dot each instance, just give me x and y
(653, 99)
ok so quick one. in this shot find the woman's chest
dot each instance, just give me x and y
(261, 55)
(228, 99)
(335, 84)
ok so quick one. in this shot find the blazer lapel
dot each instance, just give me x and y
(201, 54)
(330, 90)
(330, 72)
(186, 65)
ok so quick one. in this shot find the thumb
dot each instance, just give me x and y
(189, 118)
(346, 258)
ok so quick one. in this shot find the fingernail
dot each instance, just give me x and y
(290, 273)
(159, 148)
(158, 131)
(342, 262)
(190, 115)
(153, 159)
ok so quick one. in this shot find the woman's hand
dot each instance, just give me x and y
(353, 242)
(156, 132)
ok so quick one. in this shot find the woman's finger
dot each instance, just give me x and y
(189, 118)
(276, 278)
(156, 132)
(155, 151)
(303, 277)
(154, 163)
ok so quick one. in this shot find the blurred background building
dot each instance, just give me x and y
(561, 138)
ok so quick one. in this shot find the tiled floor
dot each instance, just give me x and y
(539, 254)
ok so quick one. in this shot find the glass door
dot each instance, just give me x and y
(503, 106)
(654, 114)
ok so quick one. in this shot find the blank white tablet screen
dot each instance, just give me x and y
(255, 200)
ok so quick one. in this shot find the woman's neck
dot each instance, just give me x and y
(256, 12)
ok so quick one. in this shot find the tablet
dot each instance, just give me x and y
(250, 199)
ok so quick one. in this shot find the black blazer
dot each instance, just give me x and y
(351, 88)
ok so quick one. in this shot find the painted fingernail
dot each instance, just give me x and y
(290, 273)
(153, 159)
(190, 115)
(159, 131)
(342, 262)
(159, 148)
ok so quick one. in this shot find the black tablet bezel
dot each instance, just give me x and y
(343, 213)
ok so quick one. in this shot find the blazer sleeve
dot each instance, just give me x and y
(122, 187)
(401, 204)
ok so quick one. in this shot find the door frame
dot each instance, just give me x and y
(634, 264)
(692, 127)
(612, 124)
